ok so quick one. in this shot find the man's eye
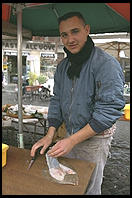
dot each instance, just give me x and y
(75, 31)
(63, 35)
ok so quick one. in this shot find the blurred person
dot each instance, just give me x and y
(4, 83)
(88, 97)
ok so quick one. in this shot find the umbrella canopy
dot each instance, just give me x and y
(10, 28)
(115, 47)
(41, 18)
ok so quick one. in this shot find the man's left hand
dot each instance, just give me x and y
(61, 148)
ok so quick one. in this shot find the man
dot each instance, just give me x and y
(88, 97)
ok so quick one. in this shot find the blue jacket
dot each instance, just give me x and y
(96, 97)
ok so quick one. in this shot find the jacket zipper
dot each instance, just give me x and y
(72, 90)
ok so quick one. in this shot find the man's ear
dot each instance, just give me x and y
(87, 28)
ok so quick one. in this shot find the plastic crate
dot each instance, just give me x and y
(4, 154)
(127, 111)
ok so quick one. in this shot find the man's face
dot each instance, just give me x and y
(74, 34)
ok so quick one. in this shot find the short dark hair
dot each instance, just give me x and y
(70, 15)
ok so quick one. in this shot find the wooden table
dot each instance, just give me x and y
(33, 87)
(122, 118)
(32, 90)
(17, 180)
(30, 124)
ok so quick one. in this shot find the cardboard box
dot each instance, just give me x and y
(4, 154)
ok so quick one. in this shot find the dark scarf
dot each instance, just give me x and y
(78, 59)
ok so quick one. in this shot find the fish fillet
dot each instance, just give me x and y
(57, 170)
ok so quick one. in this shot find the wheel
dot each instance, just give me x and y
(44, 93)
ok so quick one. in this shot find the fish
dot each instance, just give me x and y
(57, 170)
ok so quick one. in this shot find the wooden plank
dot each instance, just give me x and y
(17, 180)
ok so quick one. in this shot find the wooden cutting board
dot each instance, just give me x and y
(17, 180)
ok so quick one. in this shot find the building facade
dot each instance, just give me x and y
(39, 56)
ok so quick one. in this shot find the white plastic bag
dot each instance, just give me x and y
(61, 173)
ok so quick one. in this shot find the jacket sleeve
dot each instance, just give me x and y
(54, 112)
(109, 100)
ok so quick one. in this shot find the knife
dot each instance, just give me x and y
(38, 151)
(31, 163)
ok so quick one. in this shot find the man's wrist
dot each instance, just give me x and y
(72, 139)
(82, 135)
(50, 133)
(49, 136)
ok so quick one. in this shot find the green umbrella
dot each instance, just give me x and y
(41, 18)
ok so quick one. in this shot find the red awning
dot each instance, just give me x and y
(6, 10)
(122, 8)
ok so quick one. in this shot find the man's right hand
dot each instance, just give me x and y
(44, 142)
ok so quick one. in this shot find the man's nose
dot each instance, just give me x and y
(70, 38)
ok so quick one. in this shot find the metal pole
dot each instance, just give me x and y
(19, 68)
(118, 51)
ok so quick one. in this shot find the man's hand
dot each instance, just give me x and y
(44, 142)
(61, 148)
(64, 146)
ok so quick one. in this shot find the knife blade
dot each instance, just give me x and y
(31, 163)
(33, 158)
